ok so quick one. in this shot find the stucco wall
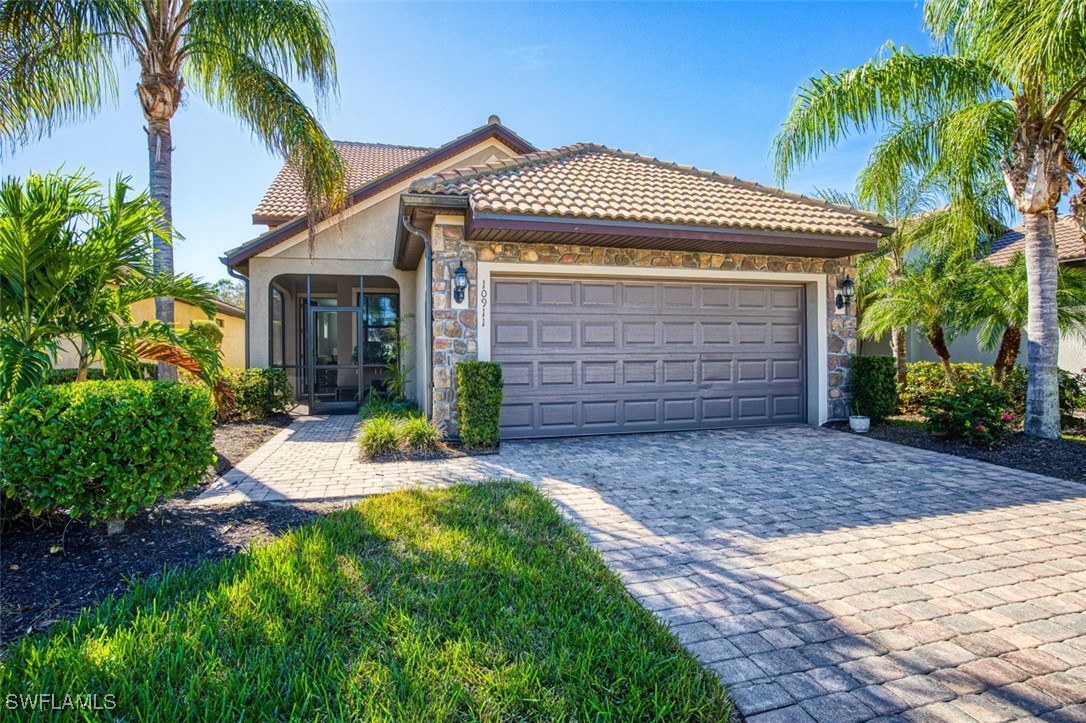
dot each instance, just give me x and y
(360, 242)
(456, 325)
(233, 341)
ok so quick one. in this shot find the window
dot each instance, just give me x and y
(278, 338)
(380, 313)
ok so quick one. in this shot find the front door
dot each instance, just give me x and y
(334, 364)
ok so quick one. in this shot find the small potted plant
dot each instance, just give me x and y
(859, 423)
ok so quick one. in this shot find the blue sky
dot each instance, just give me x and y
(706, 84)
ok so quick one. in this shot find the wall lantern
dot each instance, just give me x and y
(848, 291)
(460, 283)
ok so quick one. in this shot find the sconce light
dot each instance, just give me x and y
(848, 292)
(460, 283)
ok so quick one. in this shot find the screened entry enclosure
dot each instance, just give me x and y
(335, 335)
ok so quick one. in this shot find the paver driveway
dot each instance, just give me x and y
(826, 576)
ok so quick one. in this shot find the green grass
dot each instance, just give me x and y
(471, 603)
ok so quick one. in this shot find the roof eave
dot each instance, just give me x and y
(839, 245)
(292, 227)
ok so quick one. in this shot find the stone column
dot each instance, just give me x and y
(455, 335)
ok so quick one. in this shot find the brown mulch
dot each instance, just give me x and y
(1063, 458)
(51, 569)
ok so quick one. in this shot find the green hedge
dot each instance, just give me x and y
(479, 403)
(874, 386)
(146, 370)
(104, 449)
(258, 393)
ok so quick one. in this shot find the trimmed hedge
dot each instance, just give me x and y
(104, 449)
(874, 386)
(258, 393)
(479, 403)
(147, 371)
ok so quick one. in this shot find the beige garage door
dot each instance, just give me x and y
(602, 356)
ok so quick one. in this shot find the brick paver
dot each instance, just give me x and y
(823, 576)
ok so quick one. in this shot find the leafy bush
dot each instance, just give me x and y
(104, 449)
(874, 386)
(1072, 396)
(258, 393)
(377, 404)
(479, 402)
(147, 371)
(207, 332)
(977, 411)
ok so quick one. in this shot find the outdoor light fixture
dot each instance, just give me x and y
(460, 283)
(848, 290)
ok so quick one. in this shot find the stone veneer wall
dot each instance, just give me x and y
(455, 337)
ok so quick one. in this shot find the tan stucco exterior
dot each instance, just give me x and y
(232, 324)
(361, 242)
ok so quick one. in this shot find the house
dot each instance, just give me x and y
(229, 318)
(1071, 250)
(621, 293)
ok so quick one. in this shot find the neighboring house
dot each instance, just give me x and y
(1071, 249)
(620, 293)
(230, 319)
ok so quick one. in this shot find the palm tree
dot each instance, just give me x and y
(1006, 96)
(999, 307)
(72, 260)
(926, 294)
(58, 63)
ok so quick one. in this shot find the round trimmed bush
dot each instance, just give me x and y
(104, 449)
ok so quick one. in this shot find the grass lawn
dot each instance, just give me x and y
(472, 603)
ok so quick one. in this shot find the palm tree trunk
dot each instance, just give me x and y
(1042, 331)
(937, 339)
(160, 162)
(897, 346)
(1008, 353)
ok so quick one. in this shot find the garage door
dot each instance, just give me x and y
(602, 356)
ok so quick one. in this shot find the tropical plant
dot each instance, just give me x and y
(927, 295)
(73, 258)
(60, 60)
(1005, 99)
(999, 307)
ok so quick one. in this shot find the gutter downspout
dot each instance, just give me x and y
(428, 311)
(243, 278)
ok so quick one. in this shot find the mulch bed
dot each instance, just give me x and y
(1063, 458)
(38, 586)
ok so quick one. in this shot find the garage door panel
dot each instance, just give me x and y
(599, 356)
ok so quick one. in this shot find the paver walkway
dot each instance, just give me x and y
(824, 576)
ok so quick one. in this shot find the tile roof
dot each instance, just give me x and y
(1070, 242)
(366, 162)
(590, 181)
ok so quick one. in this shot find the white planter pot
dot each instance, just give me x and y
(859, 423)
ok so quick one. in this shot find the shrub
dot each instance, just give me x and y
(258, 393)
(977, 411)
(207, 332)
(104, 449)
(479, 402)
(395, 426)
(418, 433)
(380, 434)
(874, 386)
(1072, 396)
(146, 370)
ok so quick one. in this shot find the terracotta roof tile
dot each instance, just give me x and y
(1070, 243)
(595, 182)
(366, 162)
